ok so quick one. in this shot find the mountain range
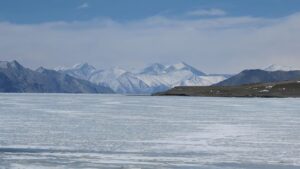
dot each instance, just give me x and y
(16, 78)
(274, 81)
(153, 78)
(85, 78)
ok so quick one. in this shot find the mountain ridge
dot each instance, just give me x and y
(252, 76)
(16, 78)
(85, 78)
(153, 78)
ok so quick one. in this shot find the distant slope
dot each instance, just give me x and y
(259, 76)
(278, 89)
(16, 78)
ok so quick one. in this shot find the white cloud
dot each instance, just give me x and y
(83, 6)
(206, 12)
(215, 45)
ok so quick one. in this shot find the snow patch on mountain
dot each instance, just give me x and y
(275, 67)
(81, 70)
(154, 69)
(183, 66)
(201, 81)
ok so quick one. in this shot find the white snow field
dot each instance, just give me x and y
(45, 131)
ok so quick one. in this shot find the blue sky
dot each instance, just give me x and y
(37, 11)
(216, 36)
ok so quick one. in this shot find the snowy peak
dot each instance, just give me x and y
(108, 76)
(184, 66)
(111, 73)
(83, 66)
(180, 66)
(13, 64)
(201, 81)
(45, 70)
(40, 69)
(117, 71)
(154, 69)
(158, 69)
(81, 71)
(275, 67)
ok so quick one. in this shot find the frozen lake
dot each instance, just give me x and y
(113, 131)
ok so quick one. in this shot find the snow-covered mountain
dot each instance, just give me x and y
(183, 66)
(16, 78)
(154, 69)
(120, 80)
(154, 78)
(157, 69)
(81, 71)
(275, 67)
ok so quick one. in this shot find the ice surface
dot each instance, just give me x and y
(114, 131)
